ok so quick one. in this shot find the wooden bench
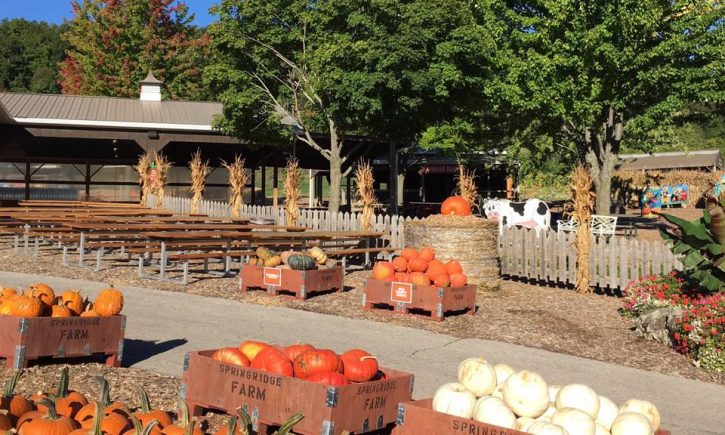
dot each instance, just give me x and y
(186, 258)
(344, 253)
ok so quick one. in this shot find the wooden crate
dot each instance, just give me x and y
(271, 399)
(302, 283)
(406, 298)
(23, 339)
(417, 417)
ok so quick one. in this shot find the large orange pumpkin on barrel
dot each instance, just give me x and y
(456, 205)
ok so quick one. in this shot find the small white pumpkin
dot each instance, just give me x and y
(544, 428)
(578, 396)
(492, 410)
(549, 411)
(477, 375)
(454, 399)
(575, 421)
(632, 423)
(648, 409)
(553, 391)
(498, 391)
(526, 394)
(608, 411)
(523, 423)
(601, 430)
(503, 371)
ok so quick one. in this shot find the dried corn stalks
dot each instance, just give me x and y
(467, 184)
(237, 183)
(365, 193)
(144, 179)
(163, 166)
(581, 186)
(292, 191)
(199, 171)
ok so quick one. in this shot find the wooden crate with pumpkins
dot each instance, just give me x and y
(335, 393)
(38, 323)
(496, 399)
(417, 283)
(302, 274)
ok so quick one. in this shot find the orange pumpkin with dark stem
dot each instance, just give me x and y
(251, 348)
(111, 411)
(316, 361)
(359, 365)
(458, 280)
(456, 205)
(14, 404)
(109, 302)
(230, 355)
(44, 293)
(67, 403)
(400, 264)
(73, 301)
(49, 423)
(152, 428)
(145, 414)
(453, 267)
(427, 254)
(383, 270)
(292, 351)
(333, 379)
(418, 265)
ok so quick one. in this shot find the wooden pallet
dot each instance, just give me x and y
(25, 339)
(271, 399)
(410, 299)
(301, 283)
(417, 417)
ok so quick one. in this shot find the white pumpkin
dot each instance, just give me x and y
(648, 409)
(454, 399)
(549, 411)
(553, 391)
(492, 410)
(544, 428)
(608, 411)
(523, 423)
(632, 423)
(601, 430)
(498, 391)
(503, 371)
(477, 375)
(575, 421)
(578, 396)
(526, 393)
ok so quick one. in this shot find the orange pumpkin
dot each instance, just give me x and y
(26, 306)
(334, 379)
(443, 280)
(400, 264)
(458, 280)
(73, 301)
(14, 404)
(184, 424)
(273, 360)
(418, 265)
(44, 293)
(49, 423)
(409, 253)
(145, 414)
(89, 313)
(230, 355)
(86, 415)
(60, 311)
(292, 351)
(427, 254)
(435, 268)
(67, 403)
(419, 278)
(251, 348)
(359, 365)
(6, 307)
(7, 291)
(453, 267)
(109, 302)
(401, 276)
(383, 270)
(5, 422)
(456, 205)
(316, 361)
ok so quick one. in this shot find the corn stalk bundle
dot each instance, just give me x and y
(583, 205)
(199, 171)
(237, 182)
(365, 193)
(163, 166)
(142, 169)
(467, 185)
(292, 191)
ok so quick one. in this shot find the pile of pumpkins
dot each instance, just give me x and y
(501, 396)
(420, 268)
(39, 300)
(315, 258)
(304, 361)
(66, 412)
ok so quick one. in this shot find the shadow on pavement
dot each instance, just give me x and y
(135, 351)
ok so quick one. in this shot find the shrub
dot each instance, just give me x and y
(700, 332)
(650, 292)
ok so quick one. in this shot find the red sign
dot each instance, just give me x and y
(272, 276)
(401, 292)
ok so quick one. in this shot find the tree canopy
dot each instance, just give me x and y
(114, 43)
(29, 56)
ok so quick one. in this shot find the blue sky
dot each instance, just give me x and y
(53, 11)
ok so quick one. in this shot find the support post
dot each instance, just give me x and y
(275, 186)
(27, 180)
(88, 181)
(310, 189)
(349, 193)
(264, 185)
(393, 182)
(254, 185)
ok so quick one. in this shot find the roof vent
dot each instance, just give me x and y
(151, 88)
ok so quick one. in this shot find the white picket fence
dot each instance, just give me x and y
(318, 220)
(551, 257)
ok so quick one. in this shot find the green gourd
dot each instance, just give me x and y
(301, 262)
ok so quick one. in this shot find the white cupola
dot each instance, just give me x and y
(151, 88)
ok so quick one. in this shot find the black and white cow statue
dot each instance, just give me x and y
(534, 213)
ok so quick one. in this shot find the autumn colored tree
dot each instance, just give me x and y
(114, 43)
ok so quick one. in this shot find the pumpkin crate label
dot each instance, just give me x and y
(326, 275)
(466, 427)
(401, 292)
(376, 388)
(272, 276)
(75, 322)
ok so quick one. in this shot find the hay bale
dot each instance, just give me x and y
(470, 240)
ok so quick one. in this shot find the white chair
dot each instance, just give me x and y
(567, 226)
(603, 225)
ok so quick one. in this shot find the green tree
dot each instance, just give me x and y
(114, 43)
(29, 56)
(593, 76)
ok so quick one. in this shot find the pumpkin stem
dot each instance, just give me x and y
(147, 430)
(232, 425)
(105, 391)
(190, 428)
(363, 358)
(144, 399)
(97, 420)
(63, 383)
(49, 403)
(287, 426)
(245, 420)
(12, 382)
(137, 428)
(183, 414)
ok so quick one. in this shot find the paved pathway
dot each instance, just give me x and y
(162, 326)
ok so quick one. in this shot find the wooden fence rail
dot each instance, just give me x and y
(551, 257)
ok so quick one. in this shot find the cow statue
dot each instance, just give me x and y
(534, 213)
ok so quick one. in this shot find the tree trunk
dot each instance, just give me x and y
(602, 156)
(335, 169)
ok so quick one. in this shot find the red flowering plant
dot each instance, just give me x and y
(700, 332)
(649, 292)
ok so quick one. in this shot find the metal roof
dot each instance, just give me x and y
(109, 112)
(710, 159)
